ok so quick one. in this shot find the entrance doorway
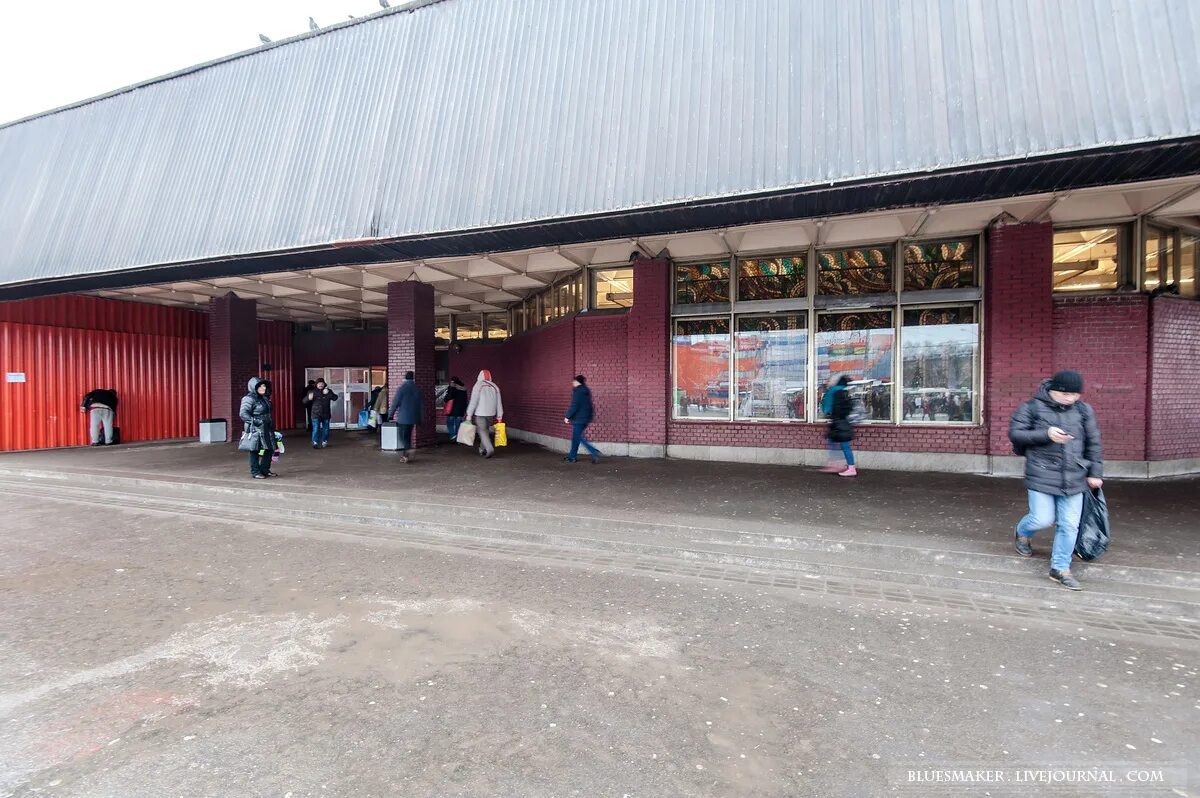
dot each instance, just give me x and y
(353, 387)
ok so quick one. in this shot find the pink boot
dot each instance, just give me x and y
(849, 472)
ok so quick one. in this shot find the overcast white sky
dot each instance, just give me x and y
(55, 52)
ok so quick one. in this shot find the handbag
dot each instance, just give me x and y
(373, 419)
(446, 408)
(501, 434)
(249, 441)
(466, 434)
(1092, 540)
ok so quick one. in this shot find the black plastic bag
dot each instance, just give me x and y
(1092, 541)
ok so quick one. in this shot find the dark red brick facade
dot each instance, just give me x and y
(648, 352)
(1174, 393)
(233, 354)
(410, 347)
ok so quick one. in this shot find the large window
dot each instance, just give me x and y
(859, 344)
(1088, 259)
(772, 278)
(495, 326)
(468, 326)
(1189, 256)
(862, 270)
(702, 283)
(611, 288)
(772, 366)
(701, 358)
(940, 356)
(1159, 263)
(441, 330)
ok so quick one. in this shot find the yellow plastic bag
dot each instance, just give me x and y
(501, 434)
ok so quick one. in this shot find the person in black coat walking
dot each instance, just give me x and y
(838, 405)
(406, 411)
(456, 406)
(579, 415)
(1059, 438)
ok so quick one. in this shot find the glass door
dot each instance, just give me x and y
(358, 396)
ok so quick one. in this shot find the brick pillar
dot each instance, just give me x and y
(410, 348)
(232, 353)
(648, 354)
(1019, 321)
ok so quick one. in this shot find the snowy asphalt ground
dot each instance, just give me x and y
(151, 654)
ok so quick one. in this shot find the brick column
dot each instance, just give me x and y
(648, 354)
(410, 348)
(1018, 322)
(232, 353)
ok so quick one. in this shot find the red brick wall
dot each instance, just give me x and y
(647, 350)
(410, 348)
(1175, 379)
(345, 348)
(1107, 340)
(233, 354)
(600, 355)
(1018, 322)
(534, 372)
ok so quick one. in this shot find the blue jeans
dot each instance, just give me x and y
(1064, 513)
(452, 425)
(577, 437)
(320, 430)
(847, 453)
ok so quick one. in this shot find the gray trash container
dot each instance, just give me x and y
(213, 430)
(389, 436)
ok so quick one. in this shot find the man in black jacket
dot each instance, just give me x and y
(579, 415)
(101, 406)
(1058, 436)
(319, 401)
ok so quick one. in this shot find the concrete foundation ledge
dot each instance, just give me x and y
(885, 461)
(607, 448)
(1008, 466)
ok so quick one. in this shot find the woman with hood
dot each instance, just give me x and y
(838, 406)
(486, 408)
(255, 413)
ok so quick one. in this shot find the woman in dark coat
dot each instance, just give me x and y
(255, 412)
(838, 406)
(456, 406)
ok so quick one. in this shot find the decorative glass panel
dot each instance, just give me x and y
(701, 368)
(931, 266)
(612, 288)
(772, 278)
(1087, 260)
(1160, 258)
(864, 270)
(699, 283)
(772, 366)
(858, 344)
(941, 364)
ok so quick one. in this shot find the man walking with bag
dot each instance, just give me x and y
(579, 415)
(485, 408)
(407, 412)
(1057, 435)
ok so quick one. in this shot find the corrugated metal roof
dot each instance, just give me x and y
(469, 114)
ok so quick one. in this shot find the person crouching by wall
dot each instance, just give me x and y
(101, 406)
(838, 406)
(486, 408)
(406, 411)
(255, 413)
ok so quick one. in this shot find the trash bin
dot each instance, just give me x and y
(389, 437)
(213, 430)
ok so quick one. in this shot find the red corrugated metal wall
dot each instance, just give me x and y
(155, 357)
(275, 348)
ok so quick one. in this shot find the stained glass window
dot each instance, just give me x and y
(772, 366)
(701, 350)
(931, 266)
(698, 283)
(858, 344)
(941, 364)
(863, 270)
(772, 278)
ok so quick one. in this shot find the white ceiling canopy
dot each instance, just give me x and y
(494, 281)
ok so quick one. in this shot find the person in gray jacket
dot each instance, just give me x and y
(1059, 438)
(406, 411)
(486, 408)
(255, 412)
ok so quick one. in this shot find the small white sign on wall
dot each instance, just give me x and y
(15, 376)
